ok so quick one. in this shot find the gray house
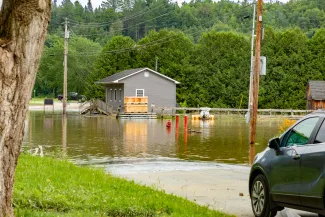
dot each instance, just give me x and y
(142, 82)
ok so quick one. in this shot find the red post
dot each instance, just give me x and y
(185, 135)
(177, 122)
(185, 122)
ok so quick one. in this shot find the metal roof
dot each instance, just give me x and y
(115, 78)
(317, 90)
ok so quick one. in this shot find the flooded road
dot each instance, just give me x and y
(102, 140)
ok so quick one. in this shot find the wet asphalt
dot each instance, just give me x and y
(221, 188)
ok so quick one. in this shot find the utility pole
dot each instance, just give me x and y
(156, 68)
(65, 77)
(250, 105)
(256, 80)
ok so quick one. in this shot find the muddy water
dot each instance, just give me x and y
(96, 140)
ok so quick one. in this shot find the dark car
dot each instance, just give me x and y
(291, 171)
(73, 96)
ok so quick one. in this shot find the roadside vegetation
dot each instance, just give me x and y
(51, 187)
(286, 124)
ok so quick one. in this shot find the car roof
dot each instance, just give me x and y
(320, 112)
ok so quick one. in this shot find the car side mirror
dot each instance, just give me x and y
(274, 144)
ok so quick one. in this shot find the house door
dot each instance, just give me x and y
(120, 97)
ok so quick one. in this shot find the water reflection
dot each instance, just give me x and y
(89, 138)
(64, 134)
(204, 126)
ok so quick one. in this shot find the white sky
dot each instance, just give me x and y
(96, 3)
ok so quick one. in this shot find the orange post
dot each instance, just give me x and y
(176, 137)
(185, 122)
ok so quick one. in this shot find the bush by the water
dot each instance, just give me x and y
(51, 187)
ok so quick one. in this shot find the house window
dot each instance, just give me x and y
(111, 95)
(115, 95)
(140, 92)
(120, 95)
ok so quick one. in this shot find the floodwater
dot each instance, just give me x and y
(104, 140)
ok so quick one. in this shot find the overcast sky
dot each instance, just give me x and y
(96, 3)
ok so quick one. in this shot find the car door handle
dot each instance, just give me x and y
(296, 157)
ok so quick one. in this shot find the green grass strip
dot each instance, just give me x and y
(52, 187)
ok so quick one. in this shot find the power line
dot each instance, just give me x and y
(103, 24)
(163, 40)
(159, 41)
(121, 29)
(139, 14)
(108, 33)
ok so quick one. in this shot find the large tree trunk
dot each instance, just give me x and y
(23, 26)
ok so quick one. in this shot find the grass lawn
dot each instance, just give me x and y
(51, 187)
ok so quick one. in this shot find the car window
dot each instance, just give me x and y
(301, 133)
(285, 138)
(320, 138)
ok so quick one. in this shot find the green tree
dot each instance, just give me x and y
(174, 51)
(89, 6)
(223, 69)
(117, 55)
(50, 73)
(285, 83)
(82, 54)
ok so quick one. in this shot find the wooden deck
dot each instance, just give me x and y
(138, 116)
(134, 104)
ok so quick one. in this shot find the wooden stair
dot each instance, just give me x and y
(95, 105)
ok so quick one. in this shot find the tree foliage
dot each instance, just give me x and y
(50, 74)
(109, 62)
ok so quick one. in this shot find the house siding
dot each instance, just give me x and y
(312, 102)
(160, 91)
(110, 95)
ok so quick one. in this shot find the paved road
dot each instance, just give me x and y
(71, 107)
(220, 188)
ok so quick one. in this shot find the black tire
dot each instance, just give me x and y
(258, 198)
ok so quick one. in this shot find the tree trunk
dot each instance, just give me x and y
(23, 26)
